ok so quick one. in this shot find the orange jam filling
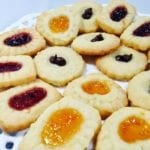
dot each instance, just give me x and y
(133, 129)
(96, 87)
(59, 24)
(61, 126)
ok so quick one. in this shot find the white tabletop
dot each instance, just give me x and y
(12, 10)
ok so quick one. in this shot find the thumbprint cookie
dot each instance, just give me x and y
(95, 43)
(137, 35)
(126, 129)
(15, 70)
(65, 125)
(122, 64)
(20, 106)
(88, 11)
(21, 41)
(59, 65)
(98, 91)
(139, 90)
(116, 16)
(59, 27)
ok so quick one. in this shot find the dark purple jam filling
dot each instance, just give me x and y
(98, 37)
(60, 61)
(87, 13)
(124, 58)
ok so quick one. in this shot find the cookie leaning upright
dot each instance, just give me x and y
(59, 26)
(116, 16)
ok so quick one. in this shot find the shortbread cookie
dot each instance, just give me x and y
(88, 11)
(20, 106)
(95, 43)
(98, 91)
(15, 70)
(139, 90)
(137, 35)
(122, 64)
(65, 125)
(59, 65)
(126, 129)
(59, 27)
(21, 41)
(116, 16)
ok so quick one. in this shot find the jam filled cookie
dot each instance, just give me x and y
(137, 35)
(122, 64)
(126, 129)
(98, 91)
(59, 65)
(22, 105)
(15, 70)
(88, 11)
(21, 41)
(116, 16)
(59, 27)
(65, 125)
(95, 43)
(139, 90)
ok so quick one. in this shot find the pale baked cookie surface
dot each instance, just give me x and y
(65, 125)
(21, 41)
(137, 35)
(16, 70)
(98, 91)
(122, 64)
(126, 129)
(20, 106)
(139, 90)
(116, 16)
(97, 43)
(59, 27)
(88, 11)
(59, 65)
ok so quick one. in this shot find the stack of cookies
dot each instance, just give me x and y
(34, 61)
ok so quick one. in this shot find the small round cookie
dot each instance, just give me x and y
(88, 11)
(65, 125)
(59, 65)
(139, 90)
(98, 91)
(122, 64)
(116, 16)
(95, 43)
(137, 35)
(59, 27)
(126, 129)
(21, 41)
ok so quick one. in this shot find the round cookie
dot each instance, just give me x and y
(59, 65)
(95, 43)
(122, 64)
(65, 125)
(88, 11)
(21, 41)
(139, 90)
(126, 129)
(98, 91)
(137, 35)
(59, 27)
(116, 16)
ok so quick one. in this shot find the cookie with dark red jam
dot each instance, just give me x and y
(116, 16)
(16, 70)
(21, 41)
(128, 128)
(20, 106)
(137, 35)
(65, 125)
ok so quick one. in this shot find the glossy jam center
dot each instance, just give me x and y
(133, 129)
(61, 126)
(60, 61)
(97, 38)
(124, 58)
(59, 24)
(87, 14)
(96, 87)
(27, 98)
